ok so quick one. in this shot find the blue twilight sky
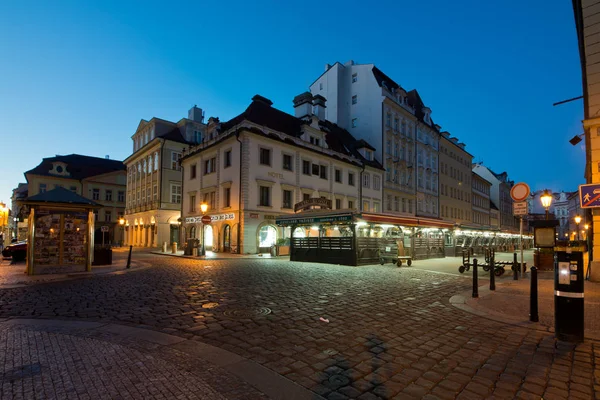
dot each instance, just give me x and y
(77, 76)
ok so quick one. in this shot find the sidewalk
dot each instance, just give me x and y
(509, 303)
(219, 256)
(94, 360)
(13, 275)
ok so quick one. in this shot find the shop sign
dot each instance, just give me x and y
(213, 218)
(315, 201)
(312, 220)
(270, 216)
(254, 215)
(277, 175)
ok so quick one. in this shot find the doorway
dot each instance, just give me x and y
(208, 238)
(174, 233)
(226, 239)
(267, 237)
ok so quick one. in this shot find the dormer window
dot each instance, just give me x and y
(369, 155)
(59, 168)
(315, 140)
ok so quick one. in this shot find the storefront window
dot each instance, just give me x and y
(267, 236)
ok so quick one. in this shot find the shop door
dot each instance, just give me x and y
(226, 239)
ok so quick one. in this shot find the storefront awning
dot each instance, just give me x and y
(406, 221)
(314, 217)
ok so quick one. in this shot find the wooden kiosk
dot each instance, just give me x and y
(60, 232)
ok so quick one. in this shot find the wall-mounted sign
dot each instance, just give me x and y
(253, 215)
(213, 218)
(315, 201)
(311, 220)
(276, 175)
(270, 216)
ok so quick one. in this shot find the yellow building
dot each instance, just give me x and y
(99, 179)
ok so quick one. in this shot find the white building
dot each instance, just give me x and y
(500, 196)
(372, 107)
(261, 163)
(154, 189)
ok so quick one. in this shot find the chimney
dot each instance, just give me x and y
(196, 114)
(107, 157)
(303, 105)
(259, 99)
(327, 66)
(319, 106)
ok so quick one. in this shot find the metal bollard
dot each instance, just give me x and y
(475, 286)
(492, 272)
(129, 257)
(514, 268)
(533, 297)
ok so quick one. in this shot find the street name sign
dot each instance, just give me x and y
(589, 195)
(520, 208)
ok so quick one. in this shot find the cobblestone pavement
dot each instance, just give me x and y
(343, 332)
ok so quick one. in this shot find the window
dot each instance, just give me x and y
(107, 216)
(42, 188)
(315, 140)
(320, 85)
(287, 162)
(323, 172)
(265, 156)
(388, 120)
(369, 155)
(175, 157)
(305, 196)
(156, 161)
(396, 124)
(365, 205)
(376, 207)
(354, 122)
(95, 194)
(155, 192)
(338, 204)
(287, 199)
(193, 203)
(175, 193)
(193, 171)
(227, 197)
(354, 99)
(354, 78)
(350, 204)
(210, 165)
(121, 196)
(338, 175)
(366, 180)
(108, 195)
(265, 196)
(227, 159)
(315, 169)
(351, 178)
(306, 167)
(376, 182)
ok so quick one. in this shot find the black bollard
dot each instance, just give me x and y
(129, 257)
(514, 268)
(475, 287)
(533, 297)
(492, 272)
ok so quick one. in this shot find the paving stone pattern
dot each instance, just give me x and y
(391, 331)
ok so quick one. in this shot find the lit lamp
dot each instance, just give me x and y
(203, 208)
(122, 224)
(577, 221)
(546, 199)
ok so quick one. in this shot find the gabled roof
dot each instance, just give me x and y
(415, 101)
(380, 77)
(78, 166)
(61, 195)
(342, 141)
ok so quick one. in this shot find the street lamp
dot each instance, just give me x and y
(546, 199)
(122, 224)
(577, 221)
(203, 208)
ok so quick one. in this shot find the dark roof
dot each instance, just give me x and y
(493, 206)
(380, 77)
(60, 195)
(415, 101)
(174, 135)
(79, 167)
(338, 139)
(363, 143)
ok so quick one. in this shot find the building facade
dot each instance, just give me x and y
(456, 190)
(373, 107)
(481, 202)
(154, 178)
(19, 222)
(262, 163)
(98, 179)
(500, 196)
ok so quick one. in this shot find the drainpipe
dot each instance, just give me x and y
(239, 231)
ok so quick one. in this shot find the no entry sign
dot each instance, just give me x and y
(520, 191)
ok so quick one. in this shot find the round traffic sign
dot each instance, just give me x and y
(206, 219)
(519, 191)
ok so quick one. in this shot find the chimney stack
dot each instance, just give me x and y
(303, 105)
(319, 106)
(196, 114)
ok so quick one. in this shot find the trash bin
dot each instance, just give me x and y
(102, 256)
(174, 248)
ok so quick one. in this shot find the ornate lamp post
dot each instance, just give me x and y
(577, 221)
(546, 199)
(203, 208)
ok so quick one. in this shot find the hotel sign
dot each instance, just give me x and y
(315, 201)
(213, 218)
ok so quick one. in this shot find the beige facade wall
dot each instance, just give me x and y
(455, 182)
(480, 201)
